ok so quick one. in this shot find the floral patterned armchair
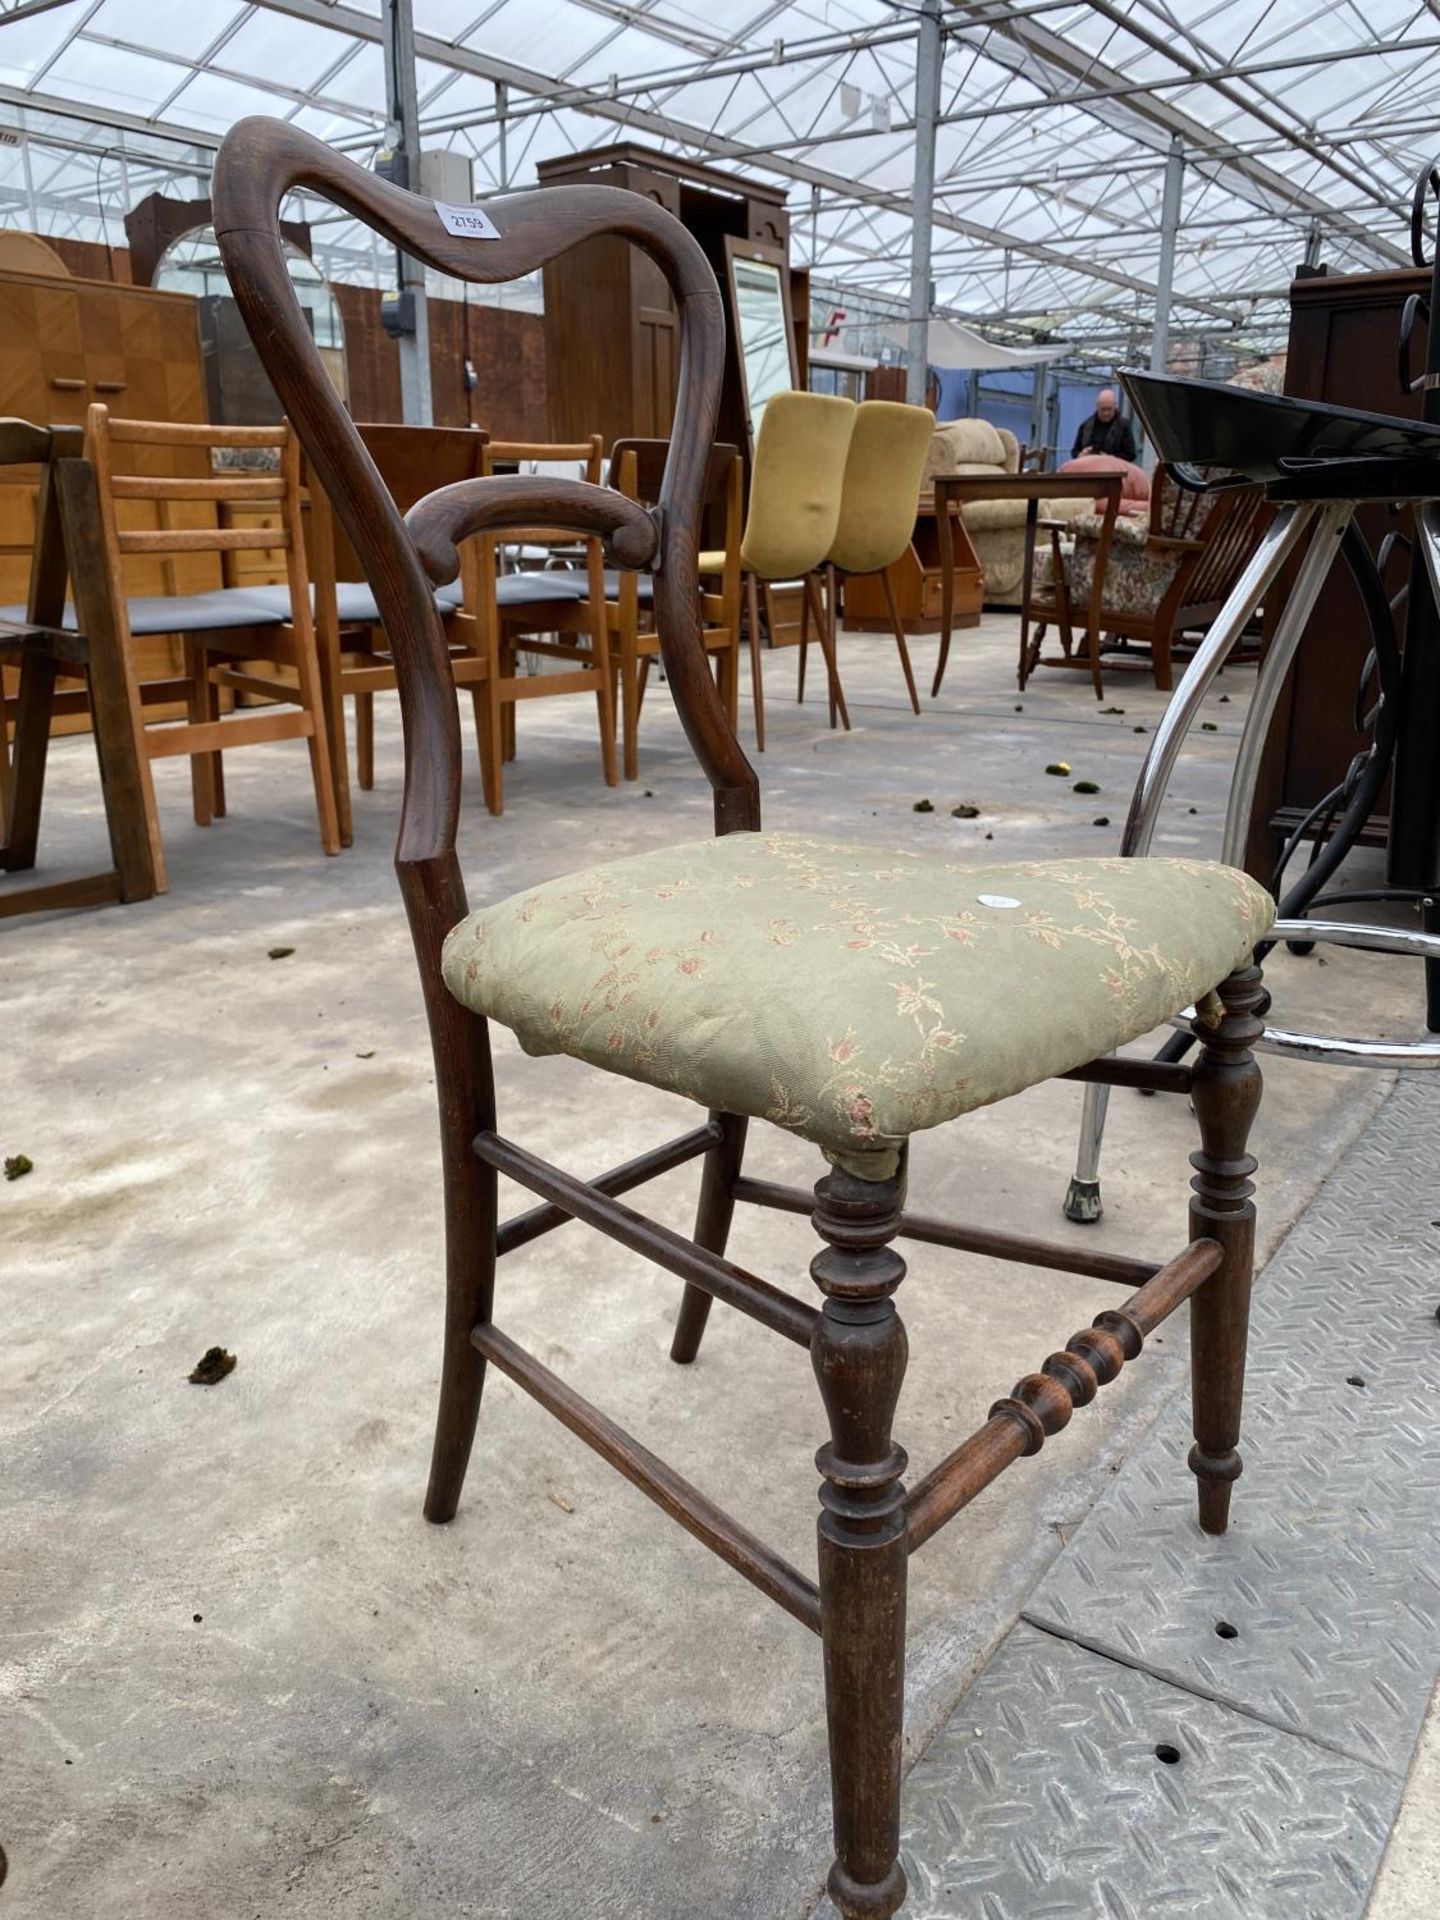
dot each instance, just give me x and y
(1163, 576)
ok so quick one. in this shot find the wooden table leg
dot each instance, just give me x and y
(946, 539)
(1032, 514)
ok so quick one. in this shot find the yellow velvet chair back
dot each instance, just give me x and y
(882, 485)
(796, 483)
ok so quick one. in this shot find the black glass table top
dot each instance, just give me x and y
(1299, 447)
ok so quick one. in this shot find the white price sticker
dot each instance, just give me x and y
(467, 223)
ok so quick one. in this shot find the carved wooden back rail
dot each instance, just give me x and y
(260, 163)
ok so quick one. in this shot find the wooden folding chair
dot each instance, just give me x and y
(47, 648)
(851, 995)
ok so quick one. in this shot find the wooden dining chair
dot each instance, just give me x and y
(796, 482)
(354, 652)
(883, 465)
(550, 614)
(637, 469)
(229, 641)
(851, 995)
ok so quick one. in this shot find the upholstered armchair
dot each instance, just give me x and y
(1165, 575)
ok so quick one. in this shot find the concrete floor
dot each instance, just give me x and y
(241, 1675)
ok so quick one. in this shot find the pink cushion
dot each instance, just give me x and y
(1134, 485)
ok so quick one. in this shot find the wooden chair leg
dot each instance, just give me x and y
(210, 706)
(859, 1353)
(727, 673)
(467, 1106)
(509, 725)
(122, 773)
(713, 1215)
(1161, 661)
(605, 701)
(202, 765)
(312, 699)
(757, 677)
(899, 629)
(630, 708)
(482, 746)
(332, 682)
(113, 687)
(26, 772)
(827, 647)
(492, 761)
(1226, 1097)
(804, 647)
(365, 742)
(4, 765)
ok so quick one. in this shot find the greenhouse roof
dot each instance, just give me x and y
(1301, 123)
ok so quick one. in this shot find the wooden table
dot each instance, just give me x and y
(951, 490)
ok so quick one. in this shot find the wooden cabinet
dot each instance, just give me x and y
(65, 343)
(1344, 330)
(611, 329)
(916, 579)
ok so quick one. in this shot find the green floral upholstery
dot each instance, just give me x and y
(851, 994)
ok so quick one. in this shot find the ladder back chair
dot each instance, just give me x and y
(354, 652)
(637, 470)
(850, 994)
(551, 613)
(229, 637)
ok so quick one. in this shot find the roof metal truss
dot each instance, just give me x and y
(1058, 118)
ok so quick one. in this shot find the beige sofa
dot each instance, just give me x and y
(996, 527)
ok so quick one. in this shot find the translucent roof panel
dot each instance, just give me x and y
(1298, 125)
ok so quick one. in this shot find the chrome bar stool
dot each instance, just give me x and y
(1319, 465)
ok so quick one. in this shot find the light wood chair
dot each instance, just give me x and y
(637, 469)
(355, 658)
(796, 482)
(549, 613)
(229, 641)
(764, 977)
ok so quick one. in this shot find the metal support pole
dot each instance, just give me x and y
(1037, 407)
(929, 60)
(1165, 276)
(402, 111)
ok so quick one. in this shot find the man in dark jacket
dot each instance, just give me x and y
(1105, 431)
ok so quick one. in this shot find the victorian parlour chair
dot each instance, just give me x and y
(852, 995)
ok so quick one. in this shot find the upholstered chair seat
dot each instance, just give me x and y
(851, 994)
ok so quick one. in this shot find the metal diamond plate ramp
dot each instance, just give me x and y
(1326, 1590)
(1044, 1799)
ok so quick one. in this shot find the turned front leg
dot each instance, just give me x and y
(859, 1352)
(1226, 1096)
